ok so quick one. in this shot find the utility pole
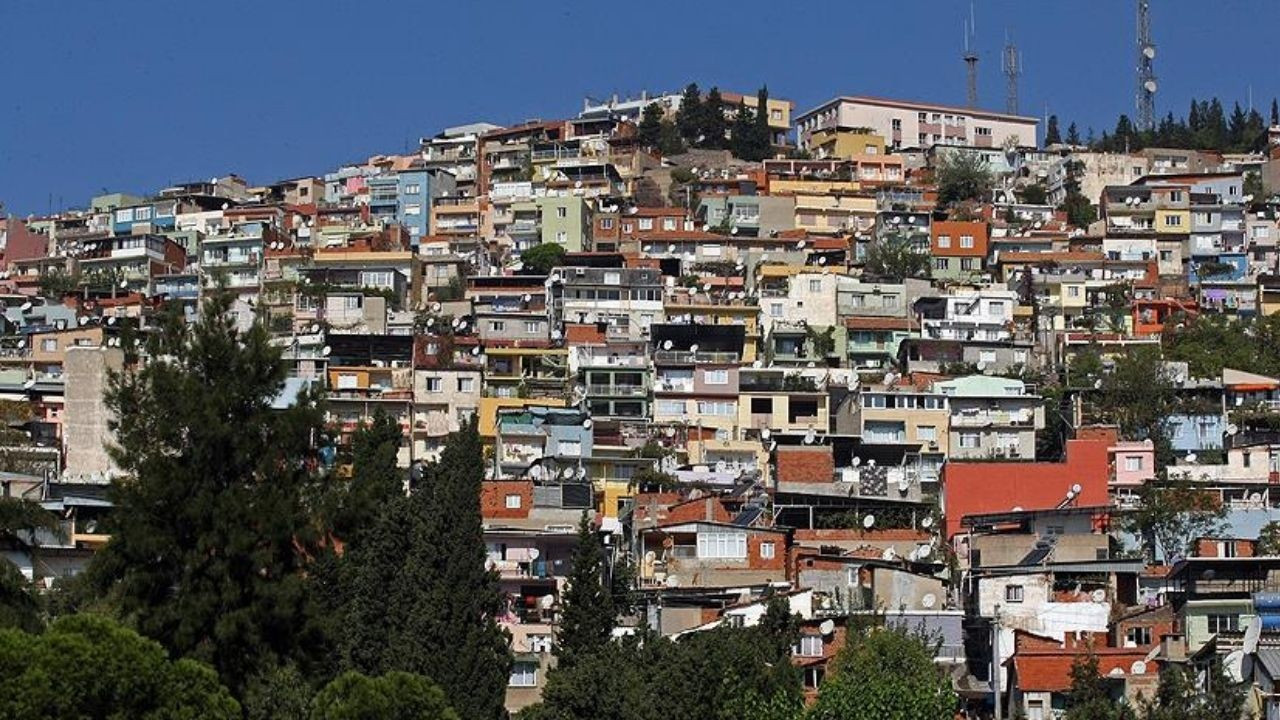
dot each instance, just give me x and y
(995, 662)
(1146, 91)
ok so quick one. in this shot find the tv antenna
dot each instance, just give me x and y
(1012, 69)
(971, 60)
(1146, 92)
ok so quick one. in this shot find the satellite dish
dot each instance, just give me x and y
(84, 320)
(1191, 457)
(669, 431)
(534, 553)
(124, 283)
(757, 364)
(869, 521)
(315, 327)
(566, 472)
(667, 344)
(326, 350)
(773, 445)
(476, 350)
(928, 601)
(1232, 429)
(927, 522)
(581, 472)
(535, 471)
(26, 306)
(1098, 595)
(733, 230)
(827, 627)
(765, 433)
(871, 462)
(856, 461)
(706, 288)
(1149, 52)
(800, 244)
(111, 320)
(1017, 508)
(456, 323)
(22, 344)
(923, 552)
(1150, 86)
(822, 260)
(1138, 668)
(810, 437)
(435, 307)
(586, 424)
(889, 554)
(904, 484)
(1076, 488)
(693, 348)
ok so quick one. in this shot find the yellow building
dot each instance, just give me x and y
(834, 214)
(697, 309)
(846, 143)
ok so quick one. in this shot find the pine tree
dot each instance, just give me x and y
(1236, 128)
(1051, 134)
(689, 116)
(587, 611)
(763, 135)
(715, 127)
(649, 133)
(1275, 112)
(669, 140)
(210, 533)
(1073, 135)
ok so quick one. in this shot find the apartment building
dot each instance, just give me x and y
(906, 124)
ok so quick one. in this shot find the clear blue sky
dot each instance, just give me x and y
(134, 94)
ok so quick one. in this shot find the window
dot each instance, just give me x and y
(775, 114)
(722, 544)
(897, 124)
(497, 325)
(669, 407)
(775, 309)
(717, 407)
(1013, 593)
(1224, 623)
(523, 674)
(815, 286)
(376, 279)
(941, 263)
(434, 385)
(562, 236)
(125, 215)
(987, 356)
(1132, 464)
(532, 326)
(466, 384)
(562, 212)
(982, 131)
(966, 241)
(809, 646)
(944, 241)
(922, 117)
(412, 209)
(606, 223)
(890, 301)
(813, 677)
(513, 502)
(966, 263)
(996, 307)
(767, 550)
(1138, 636)
(571, 448)
(410, 189)
(926, 433)
(613, 278)
(1173, 221)
(348, 381)
(716, 377)
(646, 223)
(142, 213)
(49, 345)
(1175, 196)
(969, 440)
(1073, 291)
(668, 223)
(627, 227)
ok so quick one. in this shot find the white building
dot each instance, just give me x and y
(906, 124)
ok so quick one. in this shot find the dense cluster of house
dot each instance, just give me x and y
(712, 372)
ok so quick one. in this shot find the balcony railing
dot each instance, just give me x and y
(618, 390)
(684, 356)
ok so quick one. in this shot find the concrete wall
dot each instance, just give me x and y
(84, 425)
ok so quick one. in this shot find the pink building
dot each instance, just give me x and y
(905, 124)
(1133, 464)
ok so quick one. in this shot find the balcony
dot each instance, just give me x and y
(685, 357)
(619, 390)
(669, 385)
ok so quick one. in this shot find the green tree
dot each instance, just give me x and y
(1051, 134)
(689, 116)
(1269, 539)
(394, 696)
(418, 596)
(893, 258)
(210, 533)
(741, 141)
(961, 176)
(587, 612)
(669, 140)
(1174, 697)
(762, 134)
(19, 519)
(278, 693)
(1033, 194)
(1079, 209)
(542, 259)
(1090, 697)
(86, 667)
(1073, 135)
(1138, 395)
(649, 132)
(1172, 514)
(885, 673)
(714, 129)
(1254, 187)
(375, 478)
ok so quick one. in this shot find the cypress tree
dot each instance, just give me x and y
(763, 136)
(210, 534)
(714, 125)
(1073, 134)
(587, 611)
(1275, 112)
(741, 141)
(448, 598)
(689, 116)
(649, 132)
(1051, 133)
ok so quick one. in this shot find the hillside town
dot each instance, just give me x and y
(963, 370)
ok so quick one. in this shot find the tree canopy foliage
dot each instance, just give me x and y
(394, 696)
(893, 258)
(961, 176)
(542, 259)
(1207, 126)
(885, 672)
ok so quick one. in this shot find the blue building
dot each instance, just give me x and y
(1196, 432)
(418, 187)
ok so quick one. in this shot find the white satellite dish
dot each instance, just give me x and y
(586, 424)
(1098, 595)
(457, 322)
(706, 288)
(827, 627)
(1138, 668)
(871, 462)
(435, 307)
(111, 320)
(765, 433)
(124, 283)
(535, 471)
(757, 364)
(84, 320)
(923, 551)
(822, 260)
(927, 522)
(1191, 458)
(527, 297)
(476, 350)
(904, 485)
(928, 601)
(566, 472)
(315, 327)
(326, 350)
(581, 472)
(1076, 488)
(869, 521)
(1150, 86)
(22, 344)
(856, 461)
(534, 553)
(889, 554)
(1149, 52)
(800, 244)
(1232, 429)
(26, 306)
(810, 437)
(773, 445)
(693, 348)
(669, 431)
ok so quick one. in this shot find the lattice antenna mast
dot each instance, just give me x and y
(1146, 91)
(1012, 69)
(971, 60)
